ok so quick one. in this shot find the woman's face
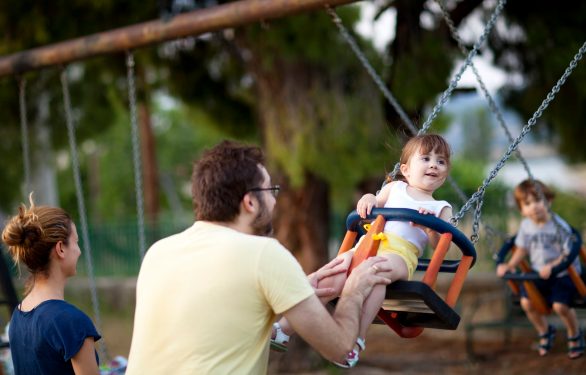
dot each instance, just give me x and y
(72, 252)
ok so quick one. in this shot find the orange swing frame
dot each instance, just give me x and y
(369, 246)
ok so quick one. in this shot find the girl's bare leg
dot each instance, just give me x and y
(337, 281)
(374, 301)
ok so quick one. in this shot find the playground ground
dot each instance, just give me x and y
(433, 354)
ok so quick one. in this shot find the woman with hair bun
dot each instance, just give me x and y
(48, 335)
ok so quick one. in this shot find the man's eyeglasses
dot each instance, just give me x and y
(273, 189)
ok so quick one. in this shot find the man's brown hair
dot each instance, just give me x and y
(221, 177)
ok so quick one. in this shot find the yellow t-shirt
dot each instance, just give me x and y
(206, 299)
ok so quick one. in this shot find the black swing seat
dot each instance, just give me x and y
(576, 247)
(577, 301)
(417, 305)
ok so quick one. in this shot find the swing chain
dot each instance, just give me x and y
(526, 129)
(446, 94)
(476, 224)
(454, 82)
(24, 134)
(81, 205)
(136, 156)
(370, 70)
(491, 102)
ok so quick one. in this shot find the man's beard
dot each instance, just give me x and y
(263, 223)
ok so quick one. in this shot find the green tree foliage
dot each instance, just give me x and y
(291, 85)
(28, 24)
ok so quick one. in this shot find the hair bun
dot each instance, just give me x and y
(22, 235)
(31, 234)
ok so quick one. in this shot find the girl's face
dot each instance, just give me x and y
(426, 172)
(534, 209)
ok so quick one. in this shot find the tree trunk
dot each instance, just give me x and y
(286, 115)
(301, 223)
(302, 216)
(149, 164)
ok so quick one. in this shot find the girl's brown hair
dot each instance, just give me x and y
(424, 143)
(32, 234)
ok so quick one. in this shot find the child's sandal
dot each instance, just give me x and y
(352, 357)
(279, 343)
(549, 336)
(579, 346)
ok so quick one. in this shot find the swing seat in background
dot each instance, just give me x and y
(411, 306)
(527, 276)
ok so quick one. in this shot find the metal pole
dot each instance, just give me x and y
(228, 15)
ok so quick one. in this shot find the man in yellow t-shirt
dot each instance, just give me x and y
(207, 297)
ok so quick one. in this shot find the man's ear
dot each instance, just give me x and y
(249, 203)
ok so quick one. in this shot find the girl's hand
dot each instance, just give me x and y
(424, 211)
(501, 269)
(365, 205)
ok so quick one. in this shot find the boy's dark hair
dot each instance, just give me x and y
(221, 178)
(534, 188)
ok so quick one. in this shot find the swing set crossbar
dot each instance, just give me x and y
(194, 23)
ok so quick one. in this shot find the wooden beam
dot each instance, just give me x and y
(233, 14)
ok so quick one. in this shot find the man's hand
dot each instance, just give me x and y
(364, 277)
(332, 268)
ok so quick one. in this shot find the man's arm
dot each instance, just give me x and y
(333, 336)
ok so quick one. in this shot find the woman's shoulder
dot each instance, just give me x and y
(61, 309)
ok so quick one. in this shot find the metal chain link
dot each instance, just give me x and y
(136, 155)
(81, 207)
(476, 222)
(454, 82)
(24, 136)
(526, 129)
(368, 67)
(445, 96)
(491, 102)
(384, 89)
